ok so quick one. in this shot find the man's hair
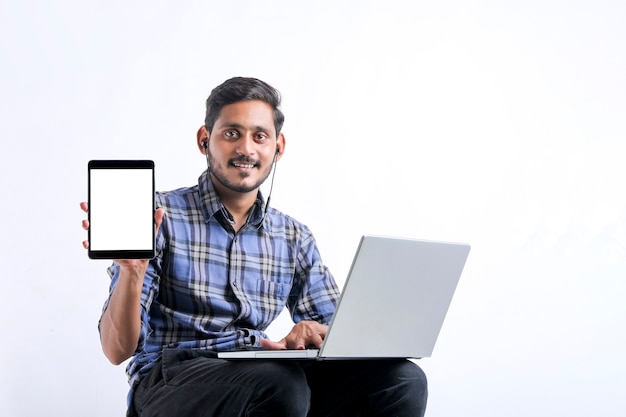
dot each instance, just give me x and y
(239, 89)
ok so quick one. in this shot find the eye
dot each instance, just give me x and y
(260, 137)
(231, 134)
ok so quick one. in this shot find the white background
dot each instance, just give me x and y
(497, 123)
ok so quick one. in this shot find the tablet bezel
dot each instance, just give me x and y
(120, 254)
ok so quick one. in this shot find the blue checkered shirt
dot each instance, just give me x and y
(212, 288)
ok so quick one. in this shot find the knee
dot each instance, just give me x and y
(406, 390)
(414, 375)
(415, 384)
(411, 379)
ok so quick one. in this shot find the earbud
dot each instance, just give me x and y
(277, 151)
(204, 144)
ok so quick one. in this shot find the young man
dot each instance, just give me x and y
(226, 266)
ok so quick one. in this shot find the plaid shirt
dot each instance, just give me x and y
(212, 288)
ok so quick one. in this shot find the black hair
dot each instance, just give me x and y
(242, 89)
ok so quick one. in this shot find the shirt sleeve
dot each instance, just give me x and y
(315, 293)
(149, 292)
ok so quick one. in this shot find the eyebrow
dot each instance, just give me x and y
(239, 126)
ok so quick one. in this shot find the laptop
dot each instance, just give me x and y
(393, 303)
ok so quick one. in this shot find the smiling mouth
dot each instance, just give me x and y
(243, 165)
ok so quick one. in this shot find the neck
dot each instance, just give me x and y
(238, 204)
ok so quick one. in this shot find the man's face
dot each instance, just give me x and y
(242, 146)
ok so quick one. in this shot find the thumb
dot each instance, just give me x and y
(269, 345)
(158, 218)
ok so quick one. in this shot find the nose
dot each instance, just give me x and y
(246, 145)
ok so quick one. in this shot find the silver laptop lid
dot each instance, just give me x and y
(395, 298)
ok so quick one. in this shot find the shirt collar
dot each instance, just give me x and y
(211, 203)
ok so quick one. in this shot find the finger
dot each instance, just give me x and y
(85, 207)
(269, 345)
(297, 343)
(158, 217)
(315, 340)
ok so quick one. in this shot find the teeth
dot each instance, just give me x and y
(244, 165)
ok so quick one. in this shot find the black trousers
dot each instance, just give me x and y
(194, 383)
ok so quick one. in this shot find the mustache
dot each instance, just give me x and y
(244, 160)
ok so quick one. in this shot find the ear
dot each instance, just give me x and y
(202, 138)
(280, 146)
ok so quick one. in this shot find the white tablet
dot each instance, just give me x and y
(121, 209)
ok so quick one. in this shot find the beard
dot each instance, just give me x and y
(219, 173)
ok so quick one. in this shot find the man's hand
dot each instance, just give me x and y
(132, 263)
(301, 336)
